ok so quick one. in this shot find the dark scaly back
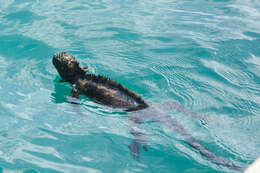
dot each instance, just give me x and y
(113, 84)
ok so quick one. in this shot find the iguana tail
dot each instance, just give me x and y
(194, 143)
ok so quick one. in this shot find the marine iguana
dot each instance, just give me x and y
(108, 92)
(99, 88)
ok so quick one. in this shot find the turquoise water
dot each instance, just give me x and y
(203, 54)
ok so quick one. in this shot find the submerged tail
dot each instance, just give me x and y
(191, 141)
(194, 143)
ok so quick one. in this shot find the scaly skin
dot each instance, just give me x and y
(99, 88)
(108, 92)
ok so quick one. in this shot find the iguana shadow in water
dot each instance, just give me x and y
(108, 92)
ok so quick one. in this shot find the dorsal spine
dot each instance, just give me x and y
(111, 83)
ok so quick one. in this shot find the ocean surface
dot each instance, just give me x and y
(203, 54)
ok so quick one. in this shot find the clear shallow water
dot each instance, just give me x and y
(203, 54)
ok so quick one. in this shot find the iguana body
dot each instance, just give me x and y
(108, 92)
(99, 88)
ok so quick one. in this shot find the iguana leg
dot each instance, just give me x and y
(73, 99)
(139, 137)
(74, 92)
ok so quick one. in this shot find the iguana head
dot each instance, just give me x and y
(67, 66)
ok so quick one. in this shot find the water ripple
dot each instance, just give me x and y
(204, 55)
